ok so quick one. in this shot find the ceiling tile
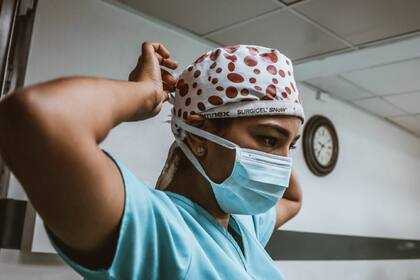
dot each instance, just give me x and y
(282, 30)
(388, 79)
(409, 102)
(411, 123)
(379, 107)
(202, 16)
(361, 21)
(340, 87)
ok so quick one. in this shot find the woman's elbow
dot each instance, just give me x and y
(18, 110)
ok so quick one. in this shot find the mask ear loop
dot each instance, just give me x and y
(191, 157)
(180, 135)
(207, 135)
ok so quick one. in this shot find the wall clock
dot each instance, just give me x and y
(320, 145)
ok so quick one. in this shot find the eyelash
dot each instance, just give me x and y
(263, 138)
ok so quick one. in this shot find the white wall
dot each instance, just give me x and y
(374, 190)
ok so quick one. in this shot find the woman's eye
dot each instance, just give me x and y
(292, 147)
(269, 141)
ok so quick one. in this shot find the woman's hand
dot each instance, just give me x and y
(291, 202)
(156, 81)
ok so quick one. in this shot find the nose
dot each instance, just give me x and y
(284, 152)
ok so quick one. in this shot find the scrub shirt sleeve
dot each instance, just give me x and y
(264, 225)
(152, 241)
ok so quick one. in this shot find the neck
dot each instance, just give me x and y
(191, 184)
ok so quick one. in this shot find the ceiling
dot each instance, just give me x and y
(367, 67)
(383, 80)
(301, 29)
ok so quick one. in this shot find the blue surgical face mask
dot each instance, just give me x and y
(257, 180)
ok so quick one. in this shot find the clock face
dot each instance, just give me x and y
(320, 145)
(323, 145)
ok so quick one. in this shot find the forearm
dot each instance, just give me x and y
(92, 105)
(49, 135)
(48, 126)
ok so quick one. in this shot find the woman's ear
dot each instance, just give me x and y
(197, 144)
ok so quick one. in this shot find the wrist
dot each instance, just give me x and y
(138, 100)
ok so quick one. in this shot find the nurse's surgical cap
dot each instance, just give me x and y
(238, 81)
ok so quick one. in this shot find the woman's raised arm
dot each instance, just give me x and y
(49, 136)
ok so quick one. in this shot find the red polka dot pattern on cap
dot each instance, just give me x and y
(271, 69)
(182, 87)
(231, 57)
(231, 49)
(231, 75)
(269, 57)
(215, 100)
(234, 77)
(231, 92)
(214, 55)
(253, 50)
(231, 66)
(281, 73)
(250, 61)
(271, 90)
(201, 106)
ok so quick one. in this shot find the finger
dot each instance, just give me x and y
(168, 88)
(167, 77)
(161, 53)
(194, 118)
(144, 56)
(169, 63)
(133, 76)
(162, 50)
(149, 48)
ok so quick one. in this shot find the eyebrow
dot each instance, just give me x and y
(280, 130)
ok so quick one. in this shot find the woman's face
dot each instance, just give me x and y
(271, 134)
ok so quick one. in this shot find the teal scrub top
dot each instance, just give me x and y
(164, 235)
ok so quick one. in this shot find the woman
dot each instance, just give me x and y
(237, 113)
